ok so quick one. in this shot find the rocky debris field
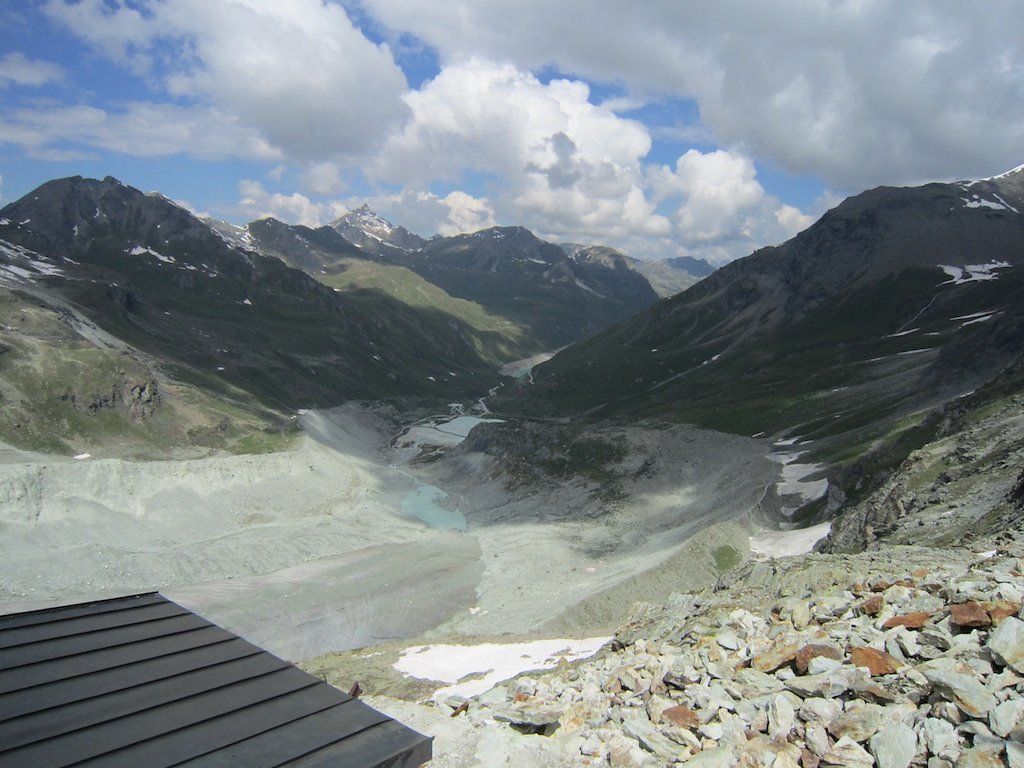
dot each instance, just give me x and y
(795, 662)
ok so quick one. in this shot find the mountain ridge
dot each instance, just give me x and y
(847, 336)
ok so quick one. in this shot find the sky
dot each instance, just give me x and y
(706, 128)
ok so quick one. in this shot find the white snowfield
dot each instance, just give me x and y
(489, 663)
(771, 544)
(27, 264)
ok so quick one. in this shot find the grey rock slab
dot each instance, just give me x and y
(894, 747)
(781, 717)
(1007, 642)
(1015, 754)
(821, 665)
(967, 692)
(816, 738)
(820, 710)
(939, 736)
(1004, 717)
(651, 739)
(822, 686)
(753, 683)
(720, 757)
(847, 752)
(530, 716)
(860, 724)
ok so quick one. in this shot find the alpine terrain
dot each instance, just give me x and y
(786, 501)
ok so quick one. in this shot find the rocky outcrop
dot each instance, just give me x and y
(139, 398)
(964, 485)
(919, 665)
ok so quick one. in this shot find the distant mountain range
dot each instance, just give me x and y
(545, 297)
(856, 339)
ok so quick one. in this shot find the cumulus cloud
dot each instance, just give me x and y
(258, 203)
(564, 164)
(859, 93)
(722, 207)
(17, 69)
(298, 73)
(321, 178)
(142, 129)
(852, 93)
(466, 214)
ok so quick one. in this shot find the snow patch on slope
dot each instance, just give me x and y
(26, 265)
(971, 272)
(139, 250)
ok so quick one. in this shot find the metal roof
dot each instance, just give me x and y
(141, 681)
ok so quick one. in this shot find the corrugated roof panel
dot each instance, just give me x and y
(142, 681)
(81, 687)
(61, 668)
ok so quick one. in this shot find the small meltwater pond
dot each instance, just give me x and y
(422, 501)
(422, 504)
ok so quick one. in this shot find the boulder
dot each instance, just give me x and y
(894, 746)
(877, 662)
(848, 753)
(969, 615)
(812, 651)
(1007, 643)
(973, 698)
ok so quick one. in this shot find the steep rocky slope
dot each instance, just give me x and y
(893, 298)
(966, 484)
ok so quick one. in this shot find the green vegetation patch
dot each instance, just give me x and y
(726, 558)
(61, 394)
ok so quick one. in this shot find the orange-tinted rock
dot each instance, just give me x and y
(1000, 609)
(778, 655)
(919, 573)
(913, 620)
(681, 716)
(969, 615)
(880, 585)
(872, 605)
(813, 650)
(877, 662)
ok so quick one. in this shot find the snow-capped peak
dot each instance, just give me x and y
(1018, 169)
(367, 221)
(1003, 175)
(232, 234)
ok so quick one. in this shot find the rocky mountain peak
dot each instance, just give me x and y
(1004, 192)
(65, 216)
(373, 233)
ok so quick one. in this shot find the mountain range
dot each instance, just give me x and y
(269, 316)
(852, 337)
(856, 339)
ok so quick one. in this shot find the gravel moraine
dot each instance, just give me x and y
(787, 665)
